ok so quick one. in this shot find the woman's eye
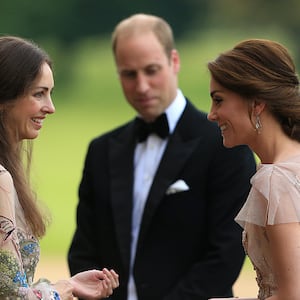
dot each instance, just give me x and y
(38, 94)
(217, 100)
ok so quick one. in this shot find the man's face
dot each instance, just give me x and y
(148, 77)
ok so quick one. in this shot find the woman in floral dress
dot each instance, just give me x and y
(26, 84)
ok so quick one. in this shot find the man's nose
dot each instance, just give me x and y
(142, 83)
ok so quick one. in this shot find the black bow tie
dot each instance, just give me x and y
(160, 127)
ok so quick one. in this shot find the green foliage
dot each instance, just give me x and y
(71, 20)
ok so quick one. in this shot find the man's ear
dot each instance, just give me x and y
(175, 60)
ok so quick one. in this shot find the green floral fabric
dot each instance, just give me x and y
(19, 250)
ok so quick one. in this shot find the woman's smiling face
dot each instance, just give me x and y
(26, 115)
(233, 115)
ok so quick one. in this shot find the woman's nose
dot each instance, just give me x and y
(211, 116)
(49, 107)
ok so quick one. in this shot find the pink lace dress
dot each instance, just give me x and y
(19, 250)
(274, 199)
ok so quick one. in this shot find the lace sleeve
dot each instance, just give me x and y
(274, 197)
(19, 252)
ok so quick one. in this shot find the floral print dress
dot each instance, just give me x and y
(19, 250)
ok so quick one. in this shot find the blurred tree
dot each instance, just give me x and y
(67, 22)
(70, 20)
(261, 16)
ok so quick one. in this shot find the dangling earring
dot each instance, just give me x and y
(258, 125)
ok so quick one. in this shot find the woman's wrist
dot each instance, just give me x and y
(72, 284)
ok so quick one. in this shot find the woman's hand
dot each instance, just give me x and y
(64, 289)
(94, 284)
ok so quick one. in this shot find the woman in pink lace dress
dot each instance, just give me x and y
(255, 101)
(26, 83)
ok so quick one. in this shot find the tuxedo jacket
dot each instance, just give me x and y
(189, 246)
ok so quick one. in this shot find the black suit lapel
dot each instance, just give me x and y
(177, 152)
(121, 153)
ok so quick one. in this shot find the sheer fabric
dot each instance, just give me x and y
(274, 199)
(19, 250)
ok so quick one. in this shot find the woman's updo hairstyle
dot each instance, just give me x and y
(260, 69)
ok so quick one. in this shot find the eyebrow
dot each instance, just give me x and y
(42, 87)
(215, 91)
(45, 88)
(212, 93)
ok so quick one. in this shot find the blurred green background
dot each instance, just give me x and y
(88, 97)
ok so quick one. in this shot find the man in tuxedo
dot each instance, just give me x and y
(157, 201)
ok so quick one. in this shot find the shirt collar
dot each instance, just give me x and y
(175, 110)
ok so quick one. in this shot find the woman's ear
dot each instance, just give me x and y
(258, 107)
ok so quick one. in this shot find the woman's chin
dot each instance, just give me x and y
(228, 144)
(32, 135)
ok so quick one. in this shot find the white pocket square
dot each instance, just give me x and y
(177, 186)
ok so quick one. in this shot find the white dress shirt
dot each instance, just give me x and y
(146, 160)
